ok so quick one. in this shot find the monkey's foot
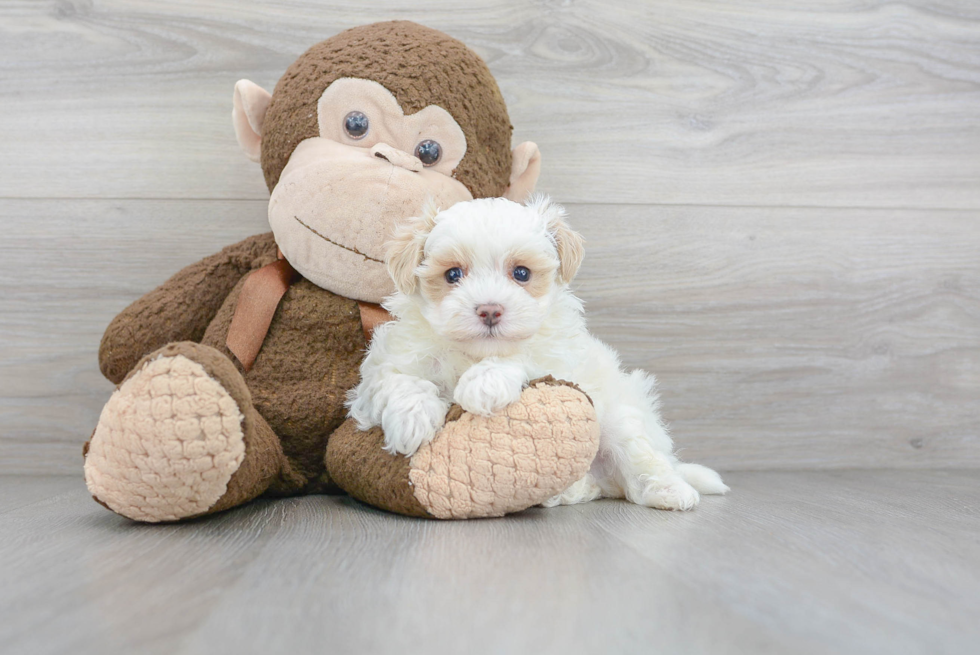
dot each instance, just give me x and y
(475, 466)
(173, 436)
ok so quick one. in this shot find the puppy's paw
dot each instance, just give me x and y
(489, 386)
(671, 493)
(412, 419)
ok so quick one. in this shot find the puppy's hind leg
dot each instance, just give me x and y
(649, 477)
(637, 455)
(581, 491)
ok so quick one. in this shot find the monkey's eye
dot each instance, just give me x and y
(522, 273)
(454, 275)
(356, 124)
(428, 152)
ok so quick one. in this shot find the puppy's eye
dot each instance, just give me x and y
(454, 275)
(522, 273)
(356, 124)
(428, 152)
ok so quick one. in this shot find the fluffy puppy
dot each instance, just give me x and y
(482, 306)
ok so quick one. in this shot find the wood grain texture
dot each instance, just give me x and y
(814, 337)
(783, 335)
(799, 338)
(808, 562)
(846, 103)
(782, 209)
(30, 490)
(67, 267)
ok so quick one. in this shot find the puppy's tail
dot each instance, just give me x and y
(705, 480)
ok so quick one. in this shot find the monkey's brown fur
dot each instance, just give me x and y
(420, 66)
(292, 399)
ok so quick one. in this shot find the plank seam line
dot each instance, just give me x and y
(567, 204)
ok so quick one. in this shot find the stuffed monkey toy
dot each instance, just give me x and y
(232, 375)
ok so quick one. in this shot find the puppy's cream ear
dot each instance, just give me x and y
(403, 252)
(570, 244)
(250, 103)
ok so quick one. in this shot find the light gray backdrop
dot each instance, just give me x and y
(781, 202)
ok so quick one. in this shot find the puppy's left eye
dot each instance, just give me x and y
(522, 273)
(454, 275)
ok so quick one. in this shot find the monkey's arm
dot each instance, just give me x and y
(181, 308)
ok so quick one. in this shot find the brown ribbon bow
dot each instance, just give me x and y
(257, 304)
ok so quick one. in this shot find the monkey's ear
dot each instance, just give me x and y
(404, 251)
(248, 113)
(570, 244)
(524, 172)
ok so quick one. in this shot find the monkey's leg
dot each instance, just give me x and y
(475, 466)
(180, 438)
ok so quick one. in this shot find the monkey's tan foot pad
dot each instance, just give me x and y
(167, 443)
(475, 466)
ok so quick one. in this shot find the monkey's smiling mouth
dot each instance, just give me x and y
(339, 245)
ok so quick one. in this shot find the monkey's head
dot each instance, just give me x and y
(361, 131)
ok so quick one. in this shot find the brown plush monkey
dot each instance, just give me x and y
(233, 373)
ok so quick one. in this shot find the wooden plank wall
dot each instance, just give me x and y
(782, 200)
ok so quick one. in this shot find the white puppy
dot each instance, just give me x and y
(482, 306)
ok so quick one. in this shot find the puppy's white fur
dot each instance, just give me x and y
(440, 350)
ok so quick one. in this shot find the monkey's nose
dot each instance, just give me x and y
(490, 314)
(397, 157)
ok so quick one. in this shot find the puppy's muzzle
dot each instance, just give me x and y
(490, 314)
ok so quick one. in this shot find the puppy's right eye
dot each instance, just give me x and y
(454, 275)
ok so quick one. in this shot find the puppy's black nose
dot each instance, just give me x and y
(490, 314)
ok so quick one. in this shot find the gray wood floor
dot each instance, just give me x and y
(790, 562)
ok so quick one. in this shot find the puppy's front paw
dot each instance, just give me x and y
(411, 420)
(671, 493)
(488, 387)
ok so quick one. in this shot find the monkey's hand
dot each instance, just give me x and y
(181, 308)
(490, 385)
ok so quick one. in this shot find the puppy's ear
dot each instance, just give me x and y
(403, 252)
(570, 244)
